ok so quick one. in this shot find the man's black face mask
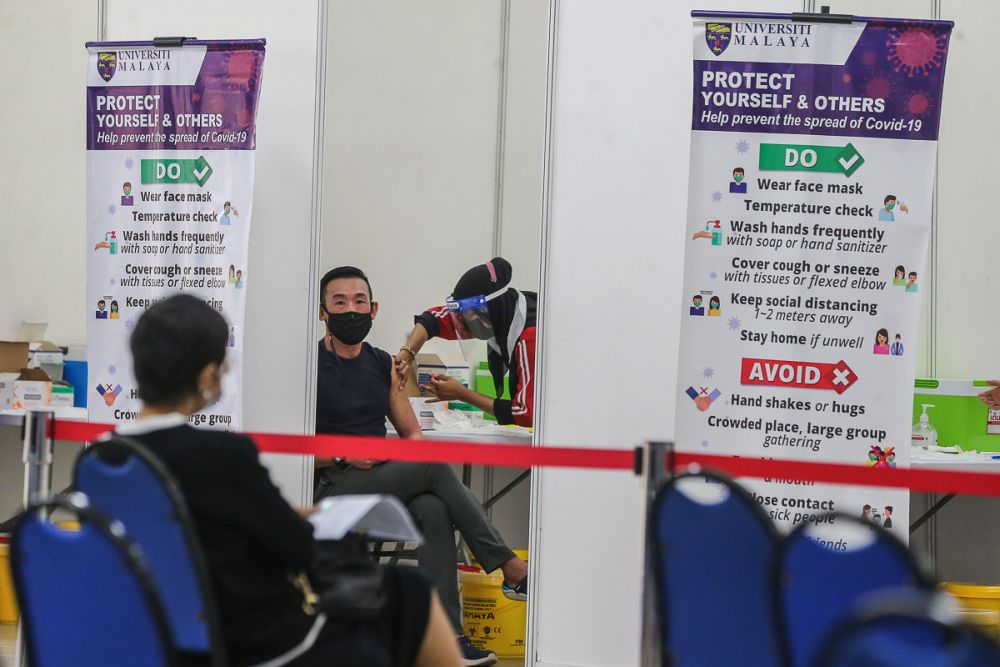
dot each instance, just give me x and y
(349, 328)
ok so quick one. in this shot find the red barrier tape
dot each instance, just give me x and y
(928, 481)
(432, 451)
(523, 456)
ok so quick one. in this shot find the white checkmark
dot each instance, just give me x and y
(847, 164)
(200, 174)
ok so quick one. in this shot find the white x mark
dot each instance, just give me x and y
(841, 377)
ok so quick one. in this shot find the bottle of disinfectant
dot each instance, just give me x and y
(924, 435)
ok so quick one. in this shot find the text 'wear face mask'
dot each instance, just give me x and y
(349, 328)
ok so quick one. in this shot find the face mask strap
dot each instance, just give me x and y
(499, 292)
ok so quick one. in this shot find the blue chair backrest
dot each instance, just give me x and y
(713, 567)
(820, 586)
(86, 597)
(895, 640)
(124, 481)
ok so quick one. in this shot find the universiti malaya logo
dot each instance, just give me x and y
(718, 36)
(107, 63)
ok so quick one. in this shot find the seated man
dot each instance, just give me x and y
(357, 388)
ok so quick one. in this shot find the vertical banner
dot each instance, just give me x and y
(813, 156)
(170, 169)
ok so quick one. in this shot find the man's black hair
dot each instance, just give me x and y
(739, 169)
(913, 273)
(342, 272)
(889, 198)
(173, 342)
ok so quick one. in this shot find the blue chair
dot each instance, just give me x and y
(714, 550)
(125, 481)
(86, 597)
(820, 585)
(905, 633)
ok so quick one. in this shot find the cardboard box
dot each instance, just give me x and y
(13, 357)
(23, 387)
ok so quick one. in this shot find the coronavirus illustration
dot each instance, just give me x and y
(916, 50)
(878, 87)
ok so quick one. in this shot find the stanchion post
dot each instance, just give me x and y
(651, 464)
(37, 457)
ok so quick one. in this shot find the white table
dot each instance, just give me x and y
(960, 463)
(489, 433)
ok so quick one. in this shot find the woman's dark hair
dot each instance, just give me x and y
(883, 333)
(173, 341)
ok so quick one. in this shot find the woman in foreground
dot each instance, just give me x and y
(254, 541)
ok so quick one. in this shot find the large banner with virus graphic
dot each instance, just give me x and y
(813, 154)
(170, 172)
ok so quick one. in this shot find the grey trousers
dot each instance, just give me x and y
(439, 503)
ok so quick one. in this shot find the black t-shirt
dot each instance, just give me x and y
(352, 395)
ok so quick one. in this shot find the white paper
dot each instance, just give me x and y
(377, 516)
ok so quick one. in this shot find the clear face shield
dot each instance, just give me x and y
(472, 321)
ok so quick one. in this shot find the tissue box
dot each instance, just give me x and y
(429, 364)
(47, 356)
(33, 388)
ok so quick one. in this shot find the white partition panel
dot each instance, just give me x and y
(410, 155)
(278, 366)
(616, 201)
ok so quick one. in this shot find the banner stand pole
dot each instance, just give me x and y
(651, 464)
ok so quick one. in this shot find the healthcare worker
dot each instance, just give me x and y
(483, 306)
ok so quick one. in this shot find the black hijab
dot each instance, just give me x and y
(486, 279)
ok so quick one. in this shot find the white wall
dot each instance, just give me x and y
(410, 149)
(411, 163)
(43, 173)
(524, 139)
(277, 368)
(968, 235)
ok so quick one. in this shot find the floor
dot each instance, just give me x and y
(7, 633)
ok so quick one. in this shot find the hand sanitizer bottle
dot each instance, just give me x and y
(924, 435)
